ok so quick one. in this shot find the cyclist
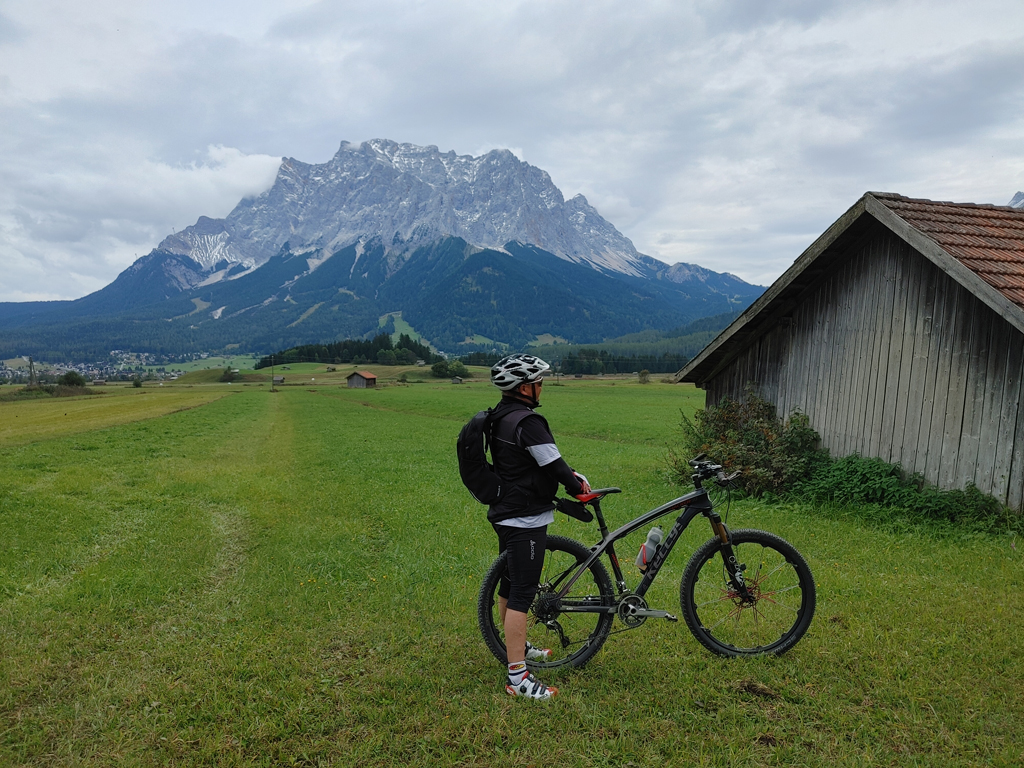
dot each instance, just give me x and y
(527, 460)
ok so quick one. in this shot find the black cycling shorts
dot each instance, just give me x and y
(525, 548)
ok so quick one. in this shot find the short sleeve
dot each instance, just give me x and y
(536, 438)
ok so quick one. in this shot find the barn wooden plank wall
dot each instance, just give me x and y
(890, 357)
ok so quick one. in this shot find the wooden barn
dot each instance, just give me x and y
(361, 380)
(900, 333)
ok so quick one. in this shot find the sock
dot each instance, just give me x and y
(517, 672)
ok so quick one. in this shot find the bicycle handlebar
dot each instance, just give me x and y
(706, 470)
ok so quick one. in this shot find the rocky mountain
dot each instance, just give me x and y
(405, 196)
(1017, 201)
(473, 251)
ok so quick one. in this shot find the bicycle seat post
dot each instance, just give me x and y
(602, 526)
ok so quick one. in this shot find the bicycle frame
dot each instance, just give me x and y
(694, 503)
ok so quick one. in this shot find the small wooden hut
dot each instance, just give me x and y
(361, 380)
(900, 333)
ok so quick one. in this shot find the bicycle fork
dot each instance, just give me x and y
(733, 567)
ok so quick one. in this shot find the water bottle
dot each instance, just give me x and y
(649, 547)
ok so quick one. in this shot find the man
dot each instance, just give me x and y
(528, 462)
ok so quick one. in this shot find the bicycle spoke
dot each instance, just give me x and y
(767, 598)
(761, 580)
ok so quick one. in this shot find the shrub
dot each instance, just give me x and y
(72, 379)
(440, 369)
(41, 391)
(880, 492)
(749, 436)
(645, 376)
(61, 390)
(783, 459)
(137, 382)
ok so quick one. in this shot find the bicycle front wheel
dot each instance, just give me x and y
(775, 614)
(572, 636)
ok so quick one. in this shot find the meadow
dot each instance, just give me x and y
(215, 574)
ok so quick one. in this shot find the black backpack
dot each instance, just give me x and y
(474, 441)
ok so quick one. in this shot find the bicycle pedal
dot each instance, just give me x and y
(670, 617)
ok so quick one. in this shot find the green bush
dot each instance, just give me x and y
(439, 369)
(882, 492)
(72, 379)
(749, 436)
(782, 459)
(46, 390)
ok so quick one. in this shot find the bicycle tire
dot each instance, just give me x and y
(574, 638)
(782, 588)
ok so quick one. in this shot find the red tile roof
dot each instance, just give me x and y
(987, 239)
(364, 374)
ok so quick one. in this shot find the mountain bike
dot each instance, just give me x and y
(743, 593)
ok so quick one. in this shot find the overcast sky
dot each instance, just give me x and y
(726, 134)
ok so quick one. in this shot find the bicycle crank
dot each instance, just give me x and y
(633, 612)
(652, 614)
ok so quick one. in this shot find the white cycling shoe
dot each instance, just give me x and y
(537, 654)
(532, 688)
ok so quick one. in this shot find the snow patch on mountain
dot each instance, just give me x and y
(207, 242)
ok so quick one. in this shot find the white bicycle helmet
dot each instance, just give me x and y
(510, 372)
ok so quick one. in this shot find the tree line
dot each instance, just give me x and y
(380, 350)
(406, 351)
(594, 361)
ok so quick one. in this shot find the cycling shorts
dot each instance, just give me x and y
(525, 548)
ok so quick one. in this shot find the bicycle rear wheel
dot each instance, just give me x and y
(573, 637)
(781, 596)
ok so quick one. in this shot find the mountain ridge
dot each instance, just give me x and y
(466, 247)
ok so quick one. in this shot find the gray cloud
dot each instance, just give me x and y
(727, 134)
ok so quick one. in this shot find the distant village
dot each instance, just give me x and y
(119, 366)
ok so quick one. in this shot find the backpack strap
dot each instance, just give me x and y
(506, 412)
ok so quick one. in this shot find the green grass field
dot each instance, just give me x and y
(218, 362)
(240, 577)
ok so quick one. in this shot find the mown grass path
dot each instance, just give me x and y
(291, 578)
